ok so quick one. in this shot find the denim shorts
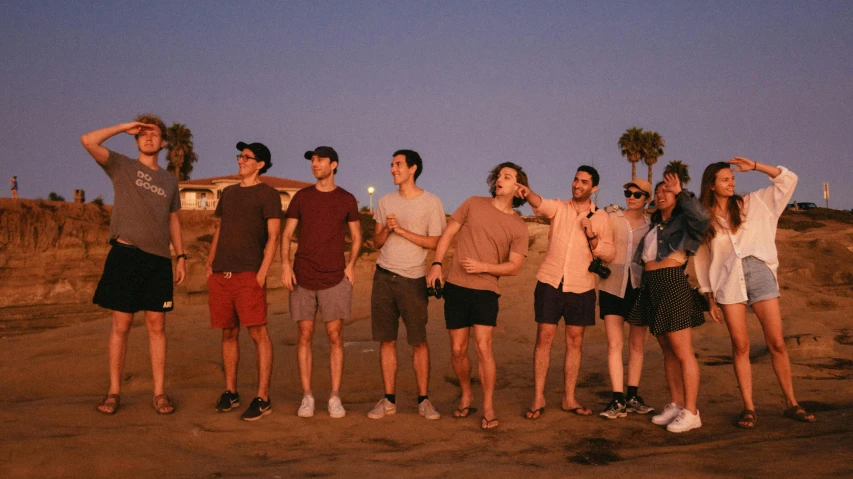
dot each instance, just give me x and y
(761, 284)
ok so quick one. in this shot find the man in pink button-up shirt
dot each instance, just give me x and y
(565, 287)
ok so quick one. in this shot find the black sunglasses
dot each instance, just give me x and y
(636, 194)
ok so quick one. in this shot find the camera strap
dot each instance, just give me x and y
(587, 238)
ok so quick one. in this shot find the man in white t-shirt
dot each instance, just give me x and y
(409, 222)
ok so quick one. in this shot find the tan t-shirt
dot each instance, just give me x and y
(488, 235)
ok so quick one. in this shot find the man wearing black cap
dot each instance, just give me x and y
(320, 277)
(242, 251)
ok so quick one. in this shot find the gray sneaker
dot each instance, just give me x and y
(636, 404)
(383, 408)
(614, 409)
(426, 409)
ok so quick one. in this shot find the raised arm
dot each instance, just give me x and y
(777, 195)
(92, 140)
(273, 230)
(287, 276)
(441, 248)
(355, 234)
(177, 243)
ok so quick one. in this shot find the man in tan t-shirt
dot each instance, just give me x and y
(493, 242)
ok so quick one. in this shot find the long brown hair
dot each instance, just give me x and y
(734, 206)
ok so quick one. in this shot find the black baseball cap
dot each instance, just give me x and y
(323, 152)
(262, 153)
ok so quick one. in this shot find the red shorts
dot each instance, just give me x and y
(236, 300)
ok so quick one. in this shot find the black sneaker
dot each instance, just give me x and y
(614, 409)
(636, 404)
(258, 409)
(227, 401)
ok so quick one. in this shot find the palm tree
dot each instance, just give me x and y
(179, 143)
(652, 149)
(679, 168)
(631, 146)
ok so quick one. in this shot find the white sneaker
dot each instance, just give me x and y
(685, 421)
(383, 408)
(306, 409)
(336, 409)
(426, 410)
(668, 415)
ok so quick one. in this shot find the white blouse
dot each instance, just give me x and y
(719, 268)
(626, 241)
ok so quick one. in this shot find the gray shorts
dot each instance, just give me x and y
(333, 303)
(396, 296)
(761, 284)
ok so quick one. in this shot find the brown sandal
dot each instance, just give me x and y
(747, 420)
(797, 413)
(162, 402)
(110, 401)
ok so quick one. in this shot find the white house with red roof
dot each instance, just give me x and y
(204, 193)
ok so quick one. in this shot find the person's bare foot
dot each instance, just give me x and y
(464, 410)
(536, 409)
(575, 407)
(110, 404)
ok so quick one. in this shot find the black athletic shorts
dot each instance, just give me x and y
(134, 280)
(465, 307)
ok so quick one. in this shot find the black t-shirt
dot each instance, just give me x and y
(243, 233)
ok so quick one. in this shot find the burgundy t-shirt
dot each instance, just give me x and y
(323, 224)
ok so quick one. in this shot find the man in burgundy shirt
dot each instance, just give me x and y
(320, 277)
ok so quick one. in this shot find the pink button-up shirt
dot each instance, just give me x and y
(568, 256)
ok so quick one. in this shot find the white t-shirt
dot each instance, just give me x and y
(423, 215)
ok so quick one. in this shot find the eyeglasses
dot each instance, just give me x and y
(636, 194)
(245, 158)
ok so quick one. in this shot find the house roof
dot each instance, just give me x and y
(273, 181)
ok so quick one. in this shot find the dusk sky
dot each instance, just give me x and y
(548, 85)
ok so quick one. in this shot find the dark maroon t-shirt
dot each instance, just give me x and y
(323, 224)
(243, 233)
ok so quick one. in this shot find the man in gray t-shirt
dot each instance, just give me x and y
(409, 222)
(138, 272)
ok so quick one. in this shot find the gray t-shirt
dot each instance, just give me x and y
(423, 215)
(144, 198)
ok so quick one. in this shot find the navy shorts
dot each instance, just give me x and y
(134, 280)
(550, 304)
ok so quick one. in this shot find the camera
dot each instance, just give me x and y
(438, 290)
(597, 267)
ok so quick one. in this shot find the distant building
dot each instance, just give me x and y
(204, 193)
(79, 196)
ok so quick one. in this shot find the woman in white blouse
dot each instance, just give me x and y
(617, 294)
(736, 267)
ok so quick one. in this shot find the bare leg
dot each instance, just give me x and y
(230, 356)
(263, 347)
(156, 323)
(461, 364)
(571, 368)
(613, 326)
(541, 363)
(770, 317)
(682, 346)
(118, 348)
(736, 322)
(303, 353)
(334, 329)
(487, 368)
(672, 369)
(420, 361)
(388, 364)
(636, 343)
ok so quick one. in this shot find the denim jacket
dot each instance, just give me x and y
(682, 232)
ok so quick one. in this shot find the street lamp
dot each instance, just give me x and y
(370, 191)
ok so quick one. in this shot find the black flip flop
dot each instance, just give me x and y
(464, 412)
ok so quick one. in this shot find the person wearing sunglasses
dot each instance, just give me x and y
(736, 267)
(616, 295)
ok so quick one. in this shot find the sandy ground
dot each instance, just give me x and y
(55, 373)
